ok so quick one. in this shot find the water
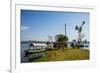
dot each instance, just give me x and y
(23, 48)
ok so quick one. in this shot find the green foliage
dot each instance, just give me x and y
(83, 23)
(61, 41)
(61, 38)
(79, 28)
(76, 28)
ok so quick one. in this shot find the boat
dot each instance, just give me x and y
(33, 51)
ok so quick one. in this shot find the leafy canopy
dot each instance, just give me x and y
(61, 38)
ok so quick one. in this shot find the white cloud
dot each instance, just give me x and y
(24, 28)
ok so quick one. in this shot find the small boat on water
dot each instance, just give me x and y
(35, 49)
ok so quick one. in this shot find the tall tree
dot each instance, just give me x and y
(79, 29)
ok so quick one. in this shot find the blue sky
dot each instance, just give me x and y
(38, 25)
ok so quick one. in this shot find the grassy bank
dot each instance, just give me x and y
(64, 55)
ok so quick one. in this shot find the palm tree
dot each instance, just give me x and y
(79, 29)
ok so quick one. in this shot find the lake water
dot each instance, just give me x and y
(23, 48)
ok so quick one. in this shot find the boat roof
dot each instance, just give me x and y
(38, 44)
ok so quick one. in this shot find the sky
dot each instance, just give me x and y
(38, 25)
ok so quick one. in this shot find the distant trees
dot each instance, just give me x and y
(80, 35)
(60, 41)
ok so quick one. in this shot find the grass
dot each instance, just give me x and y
(64, 55)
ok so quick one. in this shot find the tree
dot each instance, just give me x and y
(50, 41)
(61, 38)
(80, 35)
(61, 41)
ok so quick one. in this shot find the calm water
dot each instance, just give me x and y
(24, 47)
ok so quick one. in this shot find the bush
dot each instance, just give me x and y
(60, 45)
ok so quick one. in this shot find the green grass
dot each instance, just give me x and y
(64, 55)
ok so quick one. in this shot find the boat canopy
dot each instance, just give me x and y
(38, 44)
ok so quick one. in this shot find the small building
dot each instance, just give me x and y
(37, 45)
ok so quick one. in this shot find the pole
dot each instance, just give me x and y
(65, 29)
